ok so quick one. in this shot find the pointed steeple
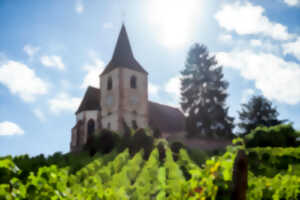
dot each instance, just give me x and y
(123, 56)
(123, 48)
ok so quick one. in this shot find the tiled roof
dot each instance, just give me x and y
(166, 118)
(123, 56)
(91, 100)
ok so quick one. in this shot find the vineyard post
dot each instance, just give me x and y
(240, 176)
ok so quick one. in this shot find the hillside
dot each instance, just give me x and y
(273, 174)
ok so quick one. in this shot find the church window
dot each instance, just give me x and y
(133, 82)
(91, 129)
(134, 125)
(109, 83)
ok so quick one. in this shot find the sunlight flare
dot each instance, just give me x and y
(173, 20)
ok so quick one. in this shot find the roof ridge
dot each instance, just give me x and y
(92, 87)
(164, 105)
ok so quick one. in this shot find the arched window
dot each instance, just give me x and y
(108, 125)
(91, 129)
(133, 82)
(109, 83)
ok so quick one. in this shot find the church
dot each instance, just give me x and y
(123, 98)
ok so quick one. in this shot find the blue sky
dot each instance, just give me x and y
(51, 50)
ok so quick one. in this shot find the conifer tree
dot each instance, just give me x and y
(258, 111)
(203, 95)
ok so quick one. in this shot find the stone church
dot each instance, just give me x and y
(123, 97)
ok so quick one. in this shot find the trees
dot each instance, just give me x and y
(203, 95)
(258, 111)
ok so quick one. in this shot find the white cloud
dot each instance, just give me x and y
(249, 19)
(173, 86)
(31, 50)
(53, 61)
(276, 78)
(22, 80)
(266, 46)
(93, 72)
(153, 89)
(247, 94)
(79, 7)
(39, 114)
(292, 2)
(292, 48)
(10, 128)
(108, 25)
(63, 102)
(225, 38)
(255, 43)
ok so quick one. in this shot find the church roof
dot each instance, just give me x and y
(91, 100)
(165, 118)
(123, 56)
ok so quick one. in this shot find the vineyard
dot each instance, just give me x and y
(273, 174)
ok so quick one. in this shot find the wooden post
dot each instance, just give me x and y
(240, 176)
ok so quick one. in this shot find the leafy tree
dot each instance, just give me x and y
(203, 95)
(258, 111)
(282, 135)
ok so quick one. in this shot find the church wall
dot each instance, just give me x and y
(112, 119)
(73, 137)
(109, 112)
(87, 115)
(114, 92)
(140, 120)
(135, 101)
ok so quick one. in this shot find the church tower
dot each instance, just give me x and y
(124, 89)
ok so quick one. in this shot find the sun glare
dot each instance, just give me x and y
(173, 20)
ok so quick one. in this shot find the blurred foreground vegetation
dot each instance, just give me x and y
(144, 167)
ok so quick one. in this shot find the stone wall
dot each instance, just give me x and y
(109, 110)
(134, 101)
(125, 102)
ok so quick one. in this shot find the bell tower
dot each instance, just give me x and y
(124, 89)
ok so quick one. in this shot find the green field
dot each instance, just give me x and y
(273, 174)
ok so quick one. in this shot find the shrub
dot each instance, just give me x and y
(156, 133)
(175, 147)
(198, 156)
(140, 140)
(103, 142)
(162, 151)
(125, 138)
(283, 135)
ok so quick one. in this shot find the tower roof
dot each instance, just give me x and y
(123, 56)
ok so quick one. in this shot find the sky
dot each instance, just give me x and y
(50, 51)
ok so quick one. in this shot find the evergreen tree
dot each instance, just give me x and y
(203, 95)
(258, 111)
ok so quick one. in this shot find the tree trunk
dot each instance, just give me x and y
(240, 176)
